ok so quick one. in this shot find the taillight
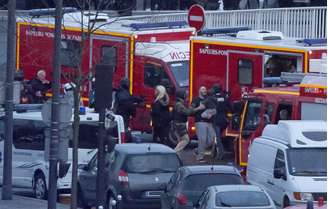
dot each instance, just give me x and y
(123, 137)
(182, 199)
(123, 178)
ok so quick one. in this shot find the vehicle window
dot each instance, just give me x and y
(301, 161)
(180, 71)
(313, 111)
(277, 63)
(70, 53)
(199, 182)
(154, 75)
(241, 199)
(93, 163)
(108, 55)
(268, 113)
(284, 112)
(245, 71)
(88, 135)
(29, 135)
(279, 163)
(252, 118)
(152, 163)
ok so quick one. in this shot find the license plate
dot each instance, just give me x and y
(153, 193)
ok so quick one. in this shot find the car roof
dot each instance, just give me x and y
(230, 188)
(202, 169)
(142, 148)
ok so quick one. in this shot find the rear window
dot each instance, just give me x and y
(152, 163)
(315, 135)
(200, 182)
(241, 199)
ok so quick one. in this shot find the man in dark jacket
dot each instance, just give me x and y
(38, 87)
(125, 104)
(220, 119)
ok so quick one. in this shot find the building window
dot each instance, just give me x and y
(70, 53)
(245, 71)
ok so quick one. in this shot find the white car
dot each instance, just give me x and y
(235, 197)
(289, 161)
(30, 169)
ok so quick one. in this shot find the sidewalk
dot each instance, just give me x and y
(20, 202)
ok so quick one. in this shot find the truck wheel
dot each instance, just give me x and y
(40, 186)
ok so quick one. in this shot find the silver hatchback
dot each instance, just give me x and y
(235, 196)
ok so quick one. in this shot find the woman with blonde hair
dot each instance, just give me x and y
(160, 115)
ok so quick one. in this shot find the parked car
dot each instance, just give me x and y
(136, 176)
(289, 161)
(235, 197)
(189, 182)
(309, 205)
(30, 167)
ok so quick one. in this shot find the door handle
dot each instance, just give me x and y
(270, 182)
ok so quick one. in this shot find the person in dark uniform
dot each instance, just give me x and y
(125, 104)
(160, 115)
(38, 87)
(180, 118)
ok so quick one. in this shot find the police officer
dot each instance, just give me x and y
(180, 117)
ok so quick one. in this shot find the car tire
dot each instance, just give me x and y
(286, 202)
(40, 187)
(80, 199)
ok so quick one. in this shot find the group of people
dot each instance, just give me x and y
(209, 110)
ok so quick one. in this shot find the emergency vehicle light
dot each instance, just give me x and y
(314, 41)
(216, 31)
(140, 26)
(50, 11)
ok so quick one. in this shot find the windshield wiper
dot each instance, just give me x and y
(311, 172)
(156, 171)
(225, 204)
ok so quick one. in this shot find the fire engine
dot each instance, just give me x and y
(148, 54)
(305, 101)
(244, 58)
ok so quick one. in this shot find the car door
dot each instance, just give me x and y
(87, 180)
(278, 183)
(2, 128)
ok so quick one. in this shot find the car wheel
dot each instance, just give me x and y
(286, 202)
(40, 186)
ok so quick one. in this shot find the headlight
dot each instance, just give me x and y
(303, 196)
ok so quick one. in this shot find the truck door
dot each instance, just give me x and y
(112, 51)
(244, 72)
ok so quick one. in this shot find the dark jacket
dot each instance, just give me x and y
(125, 103)
(36, 85)
(209, 104)
(222, 107)
(181, 112)
(160, 113)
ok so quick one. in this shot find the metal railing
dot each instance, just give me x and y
(302, 22)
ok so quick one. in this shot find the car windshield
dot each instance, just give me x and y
(180, 71)
(152, 163)
(199, 182)
(241, 199)
(307, 161)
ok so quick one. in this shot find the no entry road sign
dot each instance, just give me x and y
(196, 17)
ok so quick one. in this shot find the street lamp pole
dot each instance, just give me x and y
(9, 105)
(55, 110)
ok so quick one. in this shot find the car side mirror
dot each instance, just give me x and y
(85, 167)
(280, 173)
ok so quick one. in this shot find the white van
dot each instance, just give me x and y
(289, 161)
(29, 167)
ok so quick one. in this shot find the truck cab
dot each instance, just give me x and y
(306, 101)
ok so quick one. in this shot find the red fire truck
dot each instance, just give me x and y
(306, 101)
(244, 60)
(148, 54)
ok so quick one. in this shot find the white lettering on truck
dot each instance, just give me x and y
(179, 55)
(213, 52)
